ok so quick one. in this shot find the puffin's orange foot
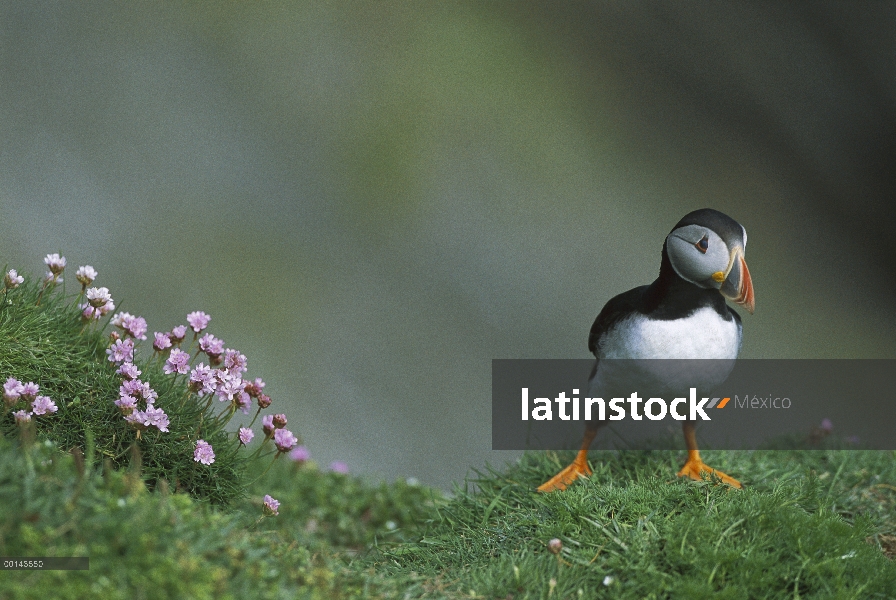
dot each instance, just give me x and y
(697, 470)
(566, 476)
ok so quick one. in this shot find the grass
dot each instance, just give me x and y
(48, 343)
(809, 524)
(156, 524)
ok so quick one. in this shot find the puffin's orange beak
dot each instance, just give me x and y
(738, 285)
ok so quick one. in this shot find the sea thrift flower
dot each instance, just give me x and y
(178, 361)
(198, 320)
(284, 440)
(121, 351)
(129, 371)
(85, 275)
(156, 417)
(229, 386)
(50, 278)
(131, 387)
(136, 328)
(178, 334)
(299, 454)
(148, 393)
(267, 424)
(55, 263)
(12, 389)
(137, 419)
(12, 279)
(98, 297)
(29, 390)
(161, 342)
(337, 466)
(43, 405)
(126, 404)
(204, 453)
(264, 401)
(211, 345)
(202, 380)
(234, 362)
(270, 505)
(246, 435)
(279, 421)
(827, 426)
(119, 319)
(244, 402)
(21, 417)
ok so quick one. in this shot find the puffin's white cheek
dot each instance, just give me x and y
(687, 261)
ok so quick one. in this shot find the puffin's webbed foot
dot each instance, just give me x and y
(696, 469)
(578, 468)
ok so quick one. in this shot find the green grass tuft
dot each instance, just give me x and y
(808, 524)
(49, 344)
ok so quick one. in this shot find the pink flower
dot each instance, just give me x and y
(198, 320)
(12, 389)
(178, 361)
(234, 362)
(162, 341)
(129, 371)
(156, 417)
(254, 388)
(135, 327)
(29, 390)
(204, 453)
(85, 275)
(827, 426)
(12, 279)
(267, 424)
(264, 401)
(148, 393)
(43, 405)
(178, 334)
(337, 466)
(51, 279)
(137, 419)
(121, 351)
(131, 387)
(229, 386)
(246, 435)
(202, 380)
(271, 506)
(126, 404)
(55, 263)
(98, 297)
(300, 454)
(21, 417)
(284, 440)
(244, 401)
(211, 345)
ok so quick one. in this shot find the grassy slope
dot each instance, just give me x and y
(809, 525)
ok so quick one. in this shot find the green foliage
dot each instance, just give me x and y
(48, 343)
(807, 526)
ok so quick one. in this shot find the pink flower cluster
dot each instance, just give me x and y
(15, 391)
(131, 391)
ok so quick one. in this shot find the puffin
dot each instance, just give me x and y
(683, 314)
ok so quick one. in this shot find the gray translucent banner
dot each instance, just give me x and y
(771, 403)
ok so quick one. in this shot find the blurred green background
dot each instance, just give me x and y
(374, 199)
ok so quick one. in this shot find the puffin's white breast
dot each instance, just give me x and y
(703, 334)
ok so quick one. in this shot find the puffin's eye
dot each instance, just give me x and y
(702, 245)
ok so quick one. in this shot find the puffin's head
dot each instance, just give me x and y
(707, 248)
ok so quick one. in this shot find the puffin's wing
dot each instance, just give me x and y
(618, 308)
